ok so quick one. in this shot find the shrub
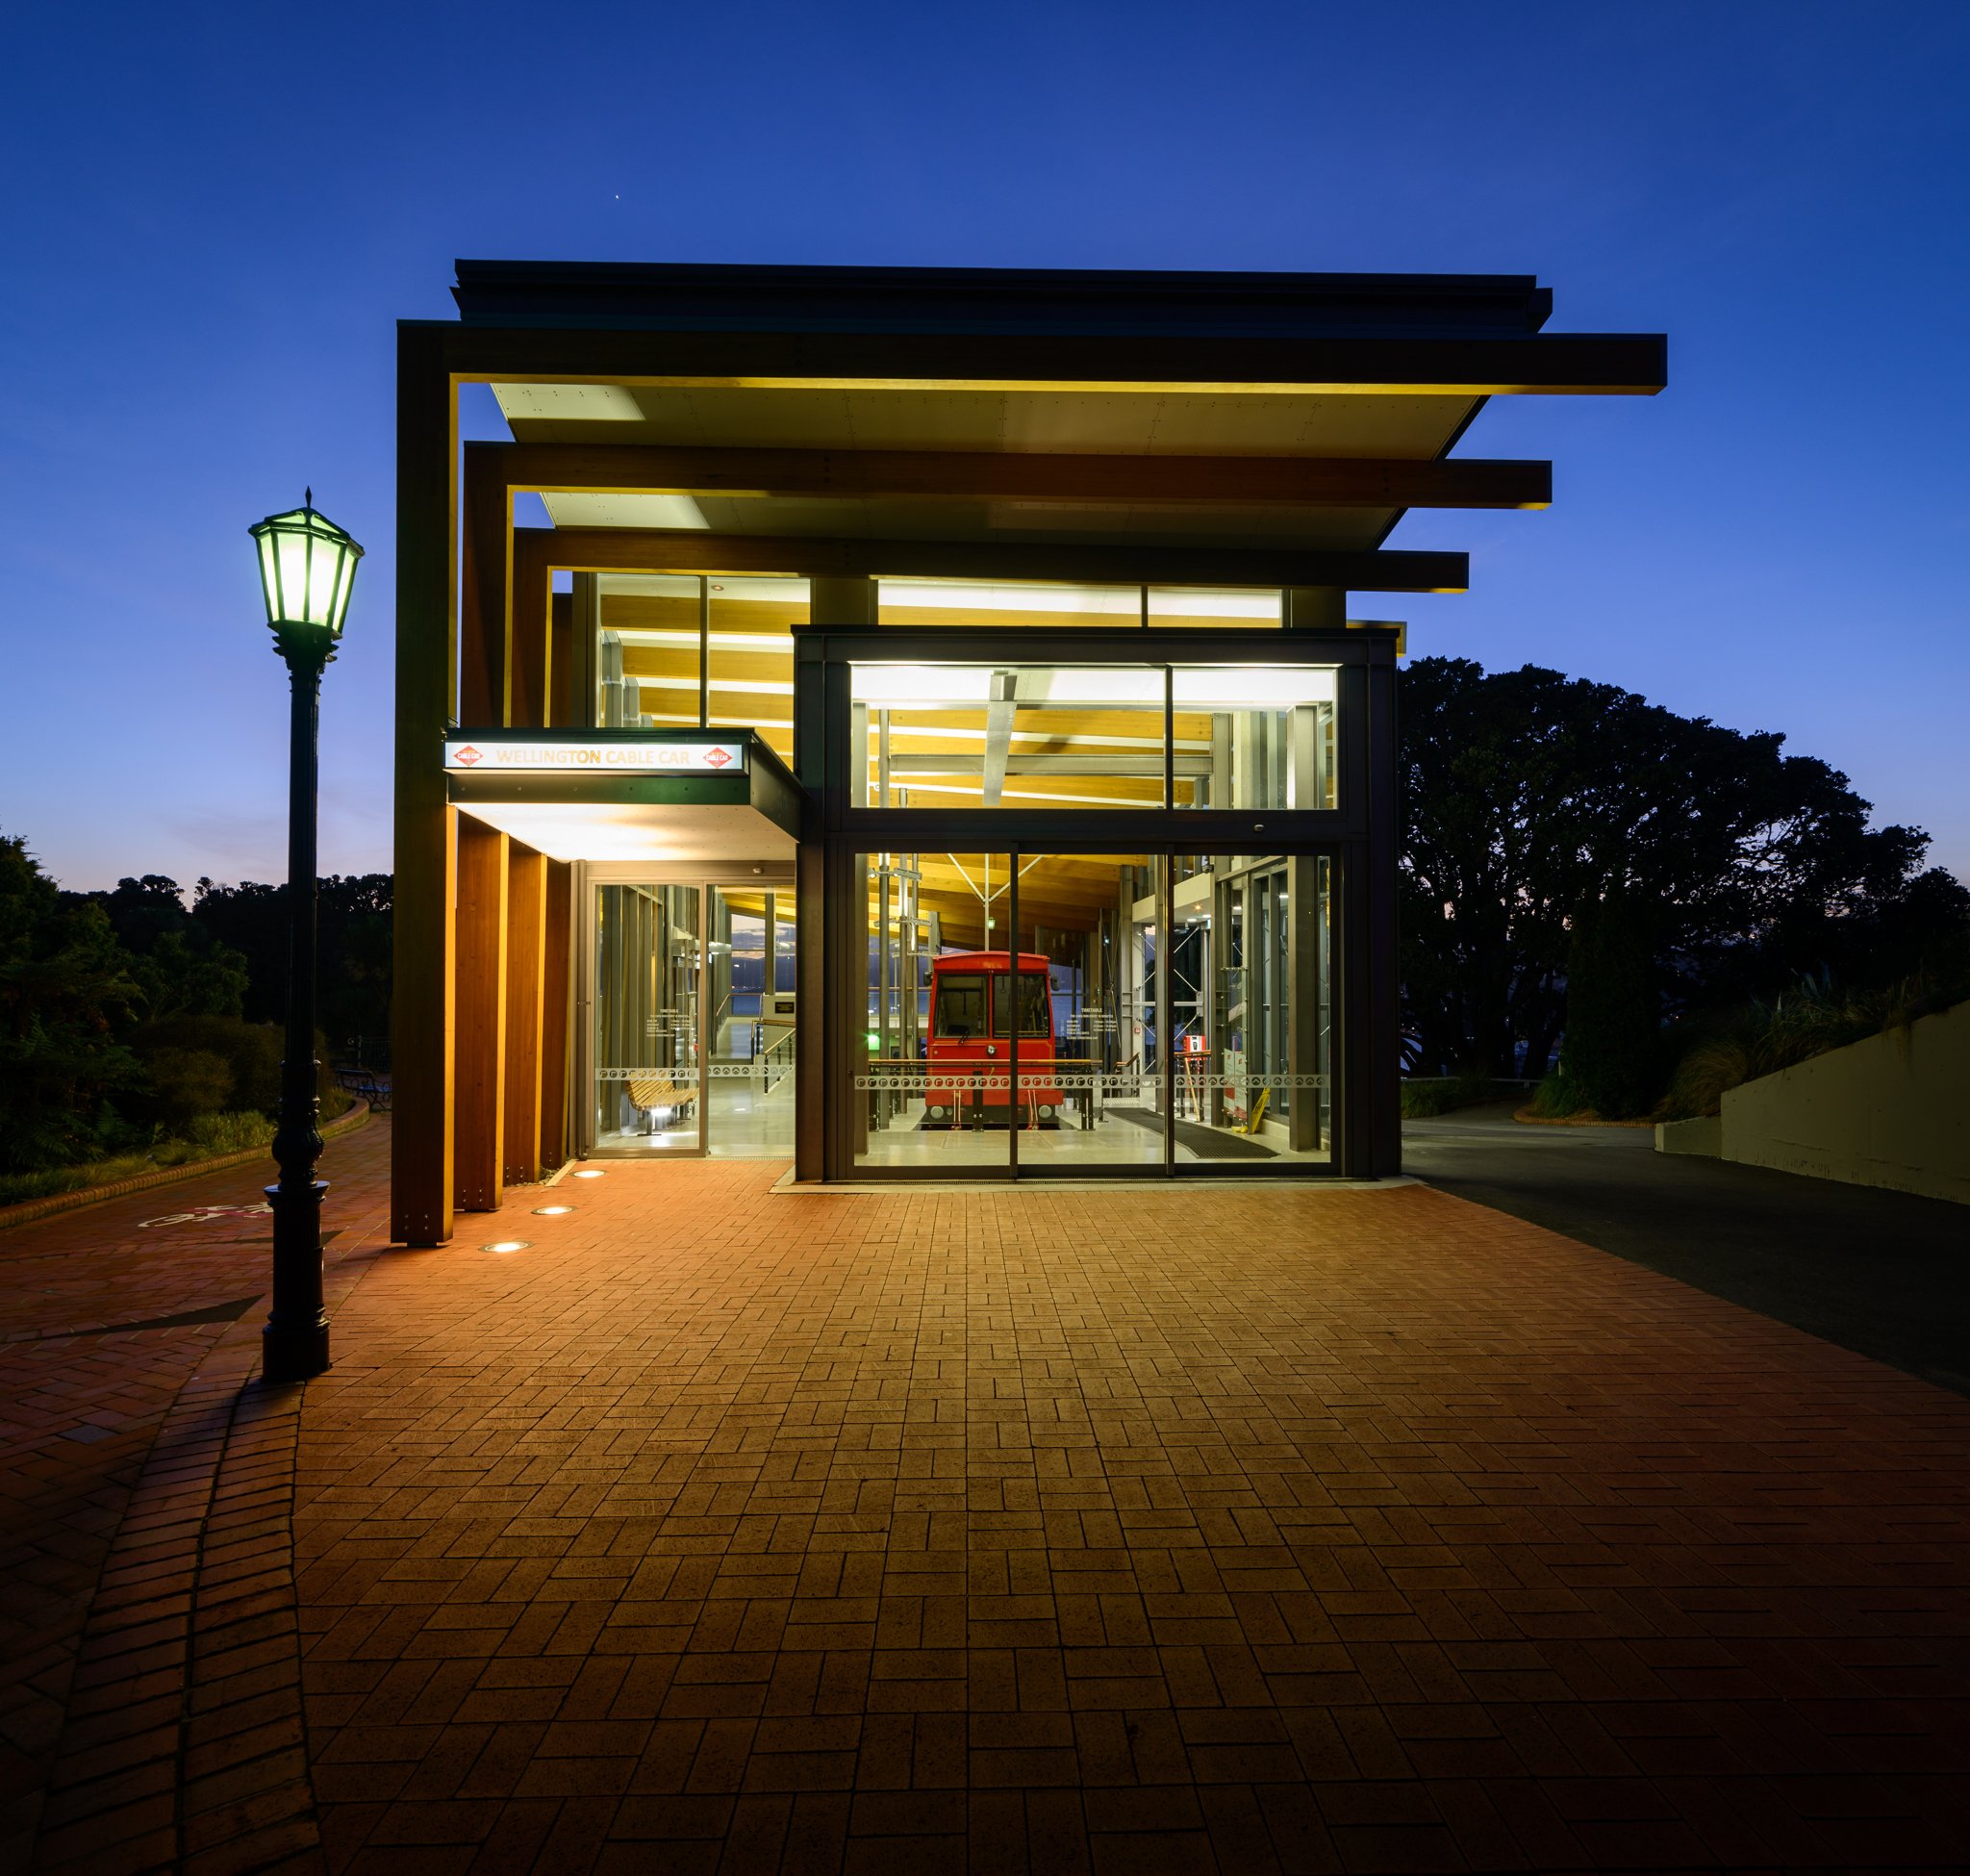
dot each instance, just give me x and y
(1557, 1098)
(231, 1133)
(1425, 1097)
(1733, 1047)
(252, 1050)
(184, 1083)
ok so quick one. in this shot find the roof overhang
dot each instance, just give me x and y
(628, 795)
(1151, 413)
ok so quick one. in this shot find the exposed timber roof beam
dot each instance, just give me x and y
(689, 550)
(1558, 364)
(865, 474)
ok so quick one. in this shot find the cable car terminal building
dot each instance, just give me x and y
(931, 738)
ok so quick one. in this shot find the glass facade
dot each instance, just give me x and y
(1058, 1012)
(646, 976)
(943, 736)
(949, 736)
(1127, 976)
(676, 649)
(1039, 605)
(1133, 963)
(692, 992)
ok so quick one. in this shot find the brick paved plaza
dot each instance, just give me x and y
(1243, 1528)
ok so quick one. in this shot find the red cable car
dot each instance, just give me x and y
(972, 1033)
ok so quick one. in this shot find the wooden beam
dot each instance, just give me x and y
(561, 662)
(871, 474)
(557, 1012)
(479, 1113)
(528, 663)
(526, 935)
(1155, 364)
(539, 551)
(420, 1177)
(485, 587)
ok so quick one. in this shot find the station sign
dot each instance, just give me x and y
(560, 755)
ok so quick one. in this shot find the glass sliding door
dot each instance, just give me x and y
(749, 1022)
(1253, 967)
(647, 964)
(1091, 1086)
(930, 1081)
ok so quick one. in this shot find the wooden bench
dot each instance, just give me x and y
(657, 1089)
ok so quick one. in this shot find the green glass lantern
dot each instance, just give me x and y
(307, 567)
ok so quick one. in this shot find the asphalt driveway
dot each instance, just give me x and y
(1884, 1274)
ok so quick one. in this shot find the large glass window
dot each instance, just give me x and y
(752, 655)
(1252, 736)
(1194, 606)
(677, 649)
(1067, 736)
(648, 671)
(1053, 604)
(1007, 603)
(1009, 735)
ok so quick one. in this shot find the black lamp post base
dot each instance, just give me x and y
(297, 1352)
(293, 1346)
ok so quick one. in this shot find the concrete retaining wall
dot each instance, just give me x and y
(1892, 1111)
(1703, 1135)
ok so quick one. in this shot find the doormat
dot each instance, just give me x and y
(1206, 1142)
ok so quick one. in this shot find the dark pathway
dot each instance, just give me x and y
(1884, 1274)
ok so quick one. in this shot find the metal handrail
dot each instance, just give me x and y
(765, 1060)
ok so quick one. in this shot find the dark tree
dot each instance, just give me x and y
(65, 986)
(1613, 1009)
(1530, 796)
(353, 920)
(178, 967)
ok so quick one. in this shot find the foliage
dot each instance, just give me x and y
(178, 967)
(1529, 797)
(123, 1013)
(1724, 1050)
(1613, 1024)
(209, 1136)
(64, 983)
(353, 939)
(185, 1083)
(1557, 1098)
(229, 1132)
(1426, 1097)
(249, 1052)
(180, 977)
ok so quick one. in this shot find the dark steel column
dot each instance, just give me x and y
(295, 1343)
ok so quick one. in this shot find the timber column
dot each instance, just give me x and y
(425, 823)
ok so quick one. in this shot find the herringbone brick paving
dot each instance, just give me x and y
(131, 1563)
(1246, 1527)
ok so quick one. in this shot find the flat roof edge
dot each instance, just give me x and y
(822, 298)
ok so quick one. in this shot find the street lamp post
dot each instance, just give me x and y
(307, 567)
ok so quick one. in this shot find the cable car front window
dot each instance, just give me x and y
(1036, 1017)
(960, 1004)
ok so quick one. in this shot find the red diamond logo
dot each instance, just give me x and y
(716, 759)
(466, 756)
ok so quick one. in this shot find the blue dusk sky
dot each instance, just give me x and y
(214, 215)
